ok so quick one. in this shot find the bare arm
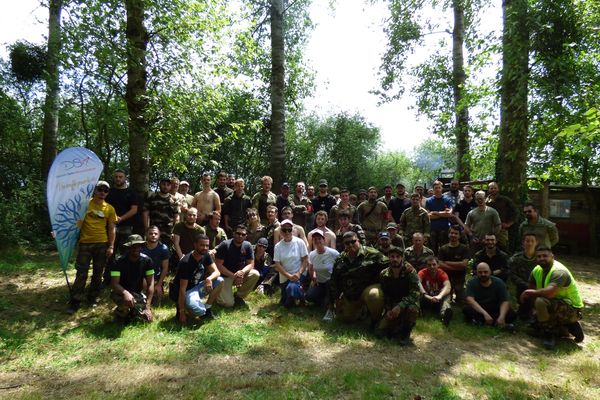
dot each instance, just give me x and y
(222, 269)
(132, 211)
(181, 300)
(146, 219)
(176, 239)
(111, 238)
(473, 303)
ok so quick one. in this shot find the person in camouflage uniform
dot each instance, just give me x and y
(545, 230)
(520, 266)
(372, 215)
(554, 293)
(161, 209)
(264, 198)
(345, 226)
(417, 254)
(401, 293)
(414, 219)
(355, 281)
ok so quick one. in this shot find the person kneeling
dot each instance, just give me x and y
(487, 300)
(437, 289)
(128, 273)
(401, 293)
(197, 277)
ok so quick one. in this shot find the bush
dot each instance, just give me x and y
(24, 217)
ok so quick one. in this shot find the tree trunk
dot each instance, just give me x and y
(512, 147)
(277, 94)
(51, 105)
(136, 98)
(461, 110)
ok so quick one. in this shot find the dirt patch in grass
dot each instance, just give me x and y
(46, 353)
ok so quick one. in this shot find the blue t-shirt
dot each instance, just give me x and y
(439, 204)
(158, 255)
(235, 258)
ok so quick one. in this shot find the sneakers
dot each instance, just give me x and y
(576, 330)
(329, 315)
(447, 317)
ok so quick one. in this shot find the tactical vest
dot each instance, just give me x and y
(569, 294)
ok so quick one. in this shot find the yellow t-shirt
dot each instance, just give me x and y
(95, 223)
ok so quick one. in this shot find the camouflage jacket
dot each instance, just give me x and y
(413, 221)
(520, 268)
(403, 290)
(162, 211)
(351, 277)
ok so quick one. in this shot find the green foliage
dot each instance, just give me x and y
(565, 88)
(28, 61)
(23, 216)
(338, 148)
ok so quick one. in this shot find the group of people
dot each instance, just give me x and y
(389, 258)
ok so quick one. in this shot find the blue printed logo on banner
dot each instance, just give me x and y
(71, 182)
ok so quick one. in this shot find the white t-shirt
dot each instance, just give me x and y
(290, 254)
(323, 263)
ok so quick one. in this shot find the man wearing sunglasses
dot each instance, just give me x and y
(355, 281)
(235, 261)
(96, 245)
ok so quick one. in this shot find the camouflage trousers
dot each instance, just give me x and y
(552, 314)
(87, 253)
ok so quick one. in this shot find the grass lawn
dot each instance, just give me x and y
(267, 352)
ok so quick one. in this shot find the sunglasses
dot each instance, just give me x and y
(241, 233)
(286, 230)
(349, 242)
(104, 190)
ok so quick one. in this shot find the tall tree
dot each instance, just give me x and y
(135, 96)
(435, 82)
(277, 126)
(459, 80)
(512, 146)
(51, 105)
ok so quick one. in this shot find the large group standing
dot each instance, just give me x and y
(387, 258)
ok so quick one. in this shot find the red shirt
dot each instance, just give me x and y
(432, 284)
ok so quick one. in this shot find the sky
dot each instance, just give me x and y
(344, 50)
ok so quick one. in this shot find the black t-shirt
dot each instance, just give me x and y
(235, 258)
(489, 297)
(132, 273)
(190, 269)
(323, 203)
(122, 200)
(463, 208)
(397, 207)
(497, 261)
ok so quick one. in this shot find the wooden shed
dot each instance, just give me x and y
(574, 209)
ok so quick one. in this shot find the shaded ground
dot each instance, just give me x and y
(268, 352)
